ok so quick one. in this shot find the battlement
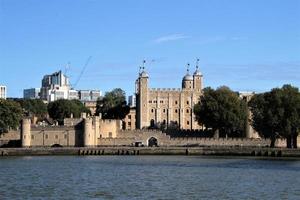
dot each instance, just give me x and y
(165, 89)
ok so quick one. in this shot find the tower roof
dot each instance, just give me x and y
(197, 72)
(188, 77)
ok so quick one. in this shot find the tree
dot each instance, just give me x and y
(32, 107)
(222, 110)
(113, 105)
(10, 115)
(60, 109)
(277, 114)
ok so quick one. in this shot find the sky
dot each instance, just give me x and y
(249, 45)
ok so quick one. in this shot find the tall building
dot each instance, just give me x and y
(32, 93)
(132, 101)
(2, 92)
(56, 86)
(168, 107)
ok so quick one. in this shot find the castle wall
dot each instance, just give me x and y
(49, 136)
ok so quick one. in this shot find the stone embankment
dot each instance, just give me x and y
(197, 151)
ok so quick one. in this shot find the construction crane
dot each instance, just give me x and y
(82, 71)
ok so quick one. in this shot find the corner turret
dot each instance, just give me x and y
(26, 132)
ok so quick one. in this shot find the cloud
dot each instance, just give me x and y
(168, 38)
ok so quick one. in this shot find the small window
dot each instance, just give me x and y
(100, 136)
(56, 136)
(164, 110)
(150, 101)
(187, 102)
(24, 136)
(110, 134)
(188, 122)
(161, 101)
(187, 110)
(129, 116)
(65, 136)
(176, 102)
(46, 136)
(129, 123)
(176, 111)
(32, 137)
(152, 110)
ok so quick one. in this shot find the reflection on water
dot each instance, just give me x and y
(148, 177)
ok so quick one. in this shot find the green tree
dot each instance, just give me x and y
(277, 114)
(113, 105)
(10, 115)
(60, 109)
(32, 107)
(223, 111)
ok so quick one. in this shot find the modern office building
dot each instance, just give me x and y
(32, 93)
(2, 92)
(89, 95)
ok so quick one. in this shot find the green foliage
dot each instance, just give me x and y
(277, 113)
(113, 105)
(60, 109)
(32, 107)
(222, 110)
(10, 115)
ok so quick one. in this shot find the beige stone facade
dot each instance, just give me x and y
(130, 120)
(168, 107)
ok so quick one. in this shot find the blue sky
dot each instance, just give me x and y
(249, 45)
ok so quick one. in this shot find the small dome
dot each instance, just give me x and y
(144, 74)
(197, 73)
(188, 77)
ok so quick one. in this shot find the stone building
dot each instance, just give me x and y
(156, 107)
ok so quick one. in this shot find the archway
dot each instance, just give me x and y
(152, 142)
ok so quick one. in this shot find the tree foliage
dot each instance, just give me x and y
(113, 105)
(10, 115)
(32, 107)
(60, 109)
(222, 110)
(277, 113)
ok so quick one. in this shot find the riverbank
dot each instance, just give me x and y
(213, 150)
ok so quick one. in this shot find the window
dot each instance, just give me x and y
(176, 111)
(161, 101)
(32, 137)
(187, 102)
(176, 102)
(65, 136)
(100, 136)
(24, 136)
(187, 122)
(164, 110)
(187, 110)
(152, 110)
(129, 116)
(110, 134)
(129, 123)
(56, 136)
(46, 136)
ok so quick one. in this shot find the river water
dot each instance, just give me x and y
(148, 177)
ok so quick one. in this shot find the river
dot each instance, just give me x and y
(148, 177)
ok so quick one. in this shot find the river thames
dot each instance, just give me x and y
(148, 177)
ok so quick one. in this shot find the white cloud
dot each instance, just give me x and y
(172, 37)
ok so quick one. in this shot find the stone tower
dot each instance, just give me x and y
(26, 133)
(142, 99)
(198, 79)
(188, 81)
(88, 133)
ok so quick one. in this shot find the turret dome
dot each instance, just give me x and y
(144, 74)
(188, 77)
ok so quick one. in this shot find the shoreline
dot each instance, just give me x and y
(193, 151)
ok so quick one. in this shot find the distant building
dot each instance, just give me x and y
(56, 86)
(32, 93)
(89, 95)
(2, 92)
(132, 101)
